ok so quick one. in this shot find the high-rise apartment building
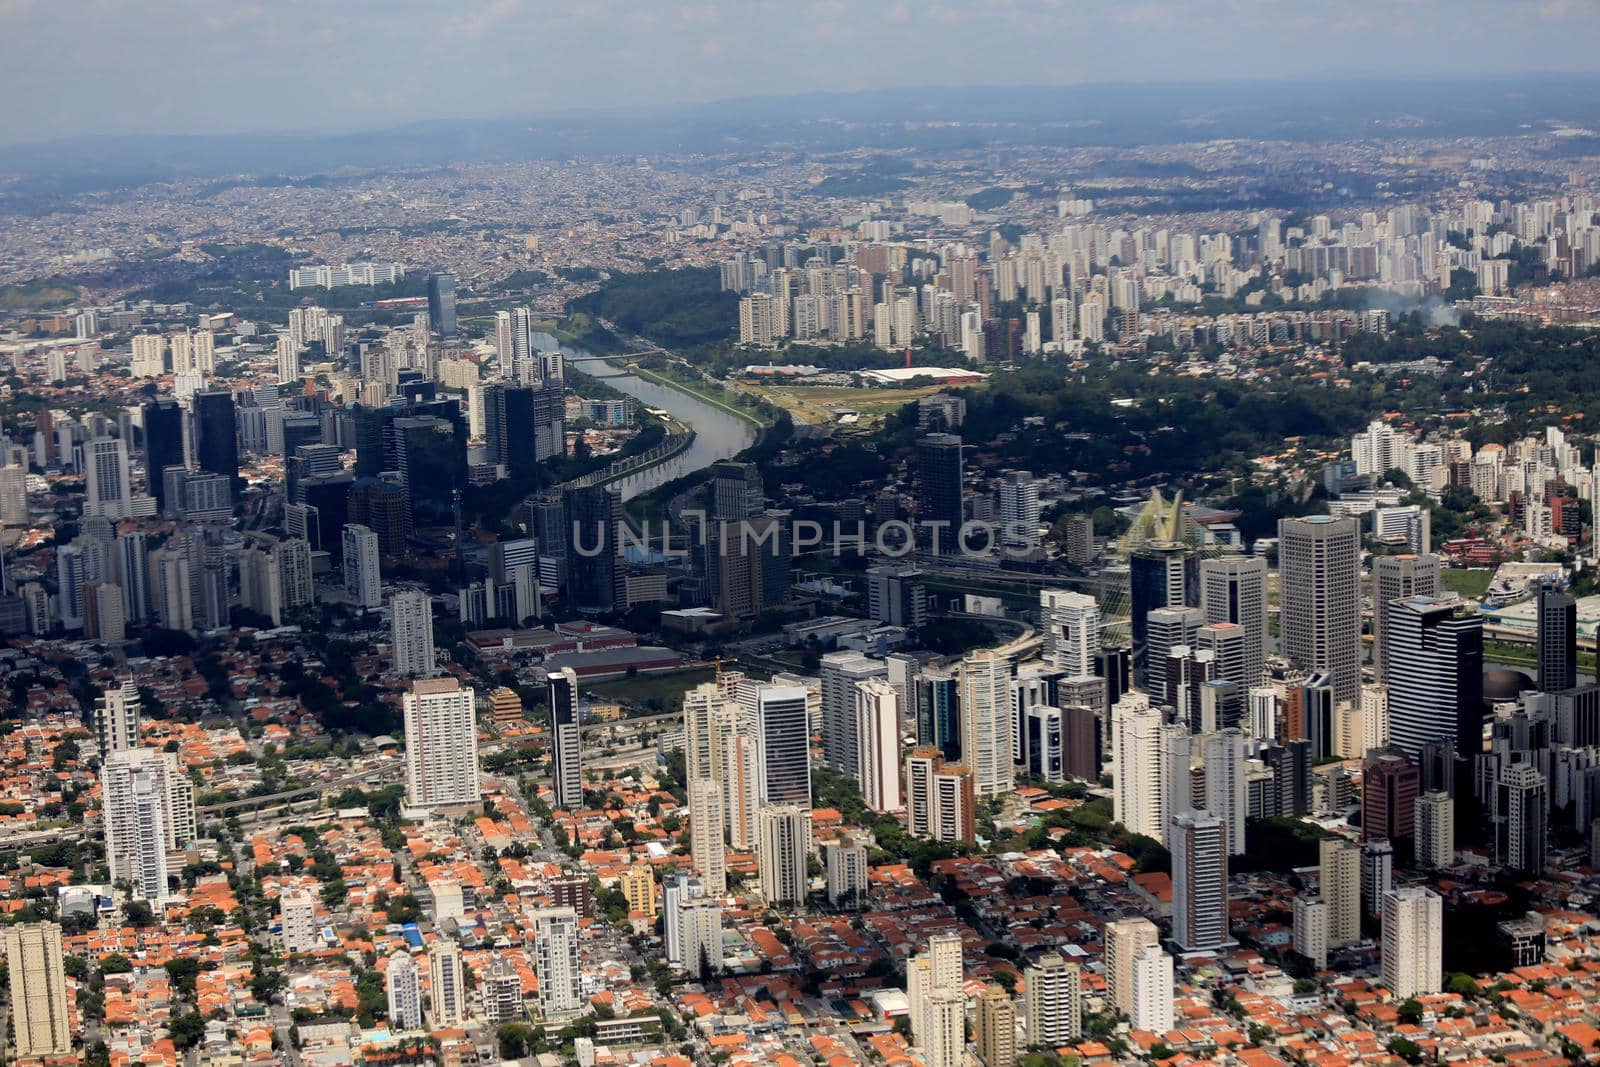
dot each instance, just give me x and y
(149, 812)
(1227, 793)
(41, 1019)
(940, 804)
(995, 1027)
(441, 744)
(707, 833)
(447, 985)
(1436, 830)
(1520, 812)
(839, 674)
(362, 576)
(1052, 1002)
(411, 633)
(108, 490)
(1413, 941)
(1152, 1009)
(1340, 882)
(403, 988)
(986, 719)
(1124, 939)
(1320, 599)
(878, 745)
(1311, 929)
(1019, 510)
(566, 740)
(783, 842)
(555, 944)
(116, 718)
(1071, 624)
(1199, 882)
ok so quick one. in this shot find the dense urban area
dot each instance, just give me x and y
(999, 604)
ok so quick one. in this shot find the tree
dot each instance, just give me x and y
(187, 1029)
(514, 1040)
(1410, 1012)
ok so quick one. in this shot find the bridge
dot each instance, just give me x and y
(675, 443)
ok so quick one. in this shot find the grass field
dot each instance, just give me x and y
(37, 296)
(1469, 583)
(668, 689)
(821, 405)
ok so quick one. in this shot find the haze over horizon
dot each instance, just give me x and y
(184, 67)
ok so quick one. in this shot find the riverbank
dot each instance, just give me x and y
(716, 399)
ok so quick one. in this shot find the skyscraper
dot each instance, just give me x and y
(411, 632)
(783, 839)
(594, 515)
(1199, 882)
(937, 970)
(783, 746)
(442, 303)
(566, 740)
(938, 478)
(362, 577)
(1233, 589)
(1158, 577)
(1146, 776)
(1557, 614)
(940, 805)
(116, 718)
(1398, 578)
(1413, 941)
(441, 744)
(700, 935)
(163, 447)
(1433, 656)
(737, 492)
(217, 436)
(1052, 1001)
(1071, 624)
(1389, 789)
(1320, 602)
(40, 1022)
(987, 720)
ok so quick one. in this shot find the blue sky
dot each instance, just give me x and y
(71, 67)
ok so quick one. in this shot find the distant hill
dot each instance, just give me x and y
(928, 118)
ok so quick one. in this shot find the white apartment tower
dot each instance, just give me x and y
(362, 574)
(1071, 624)
(403, 985)
(411, 633)
(1413, 941)
(441, 727)
(878, 745)
(555, 940)
(987, 723)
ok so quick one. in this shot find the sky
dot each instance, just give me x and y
(88, 67)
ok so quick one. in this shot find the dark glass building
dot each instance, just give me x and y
(217, 436)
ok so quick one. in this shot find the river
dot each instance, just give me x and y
(718, 435)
